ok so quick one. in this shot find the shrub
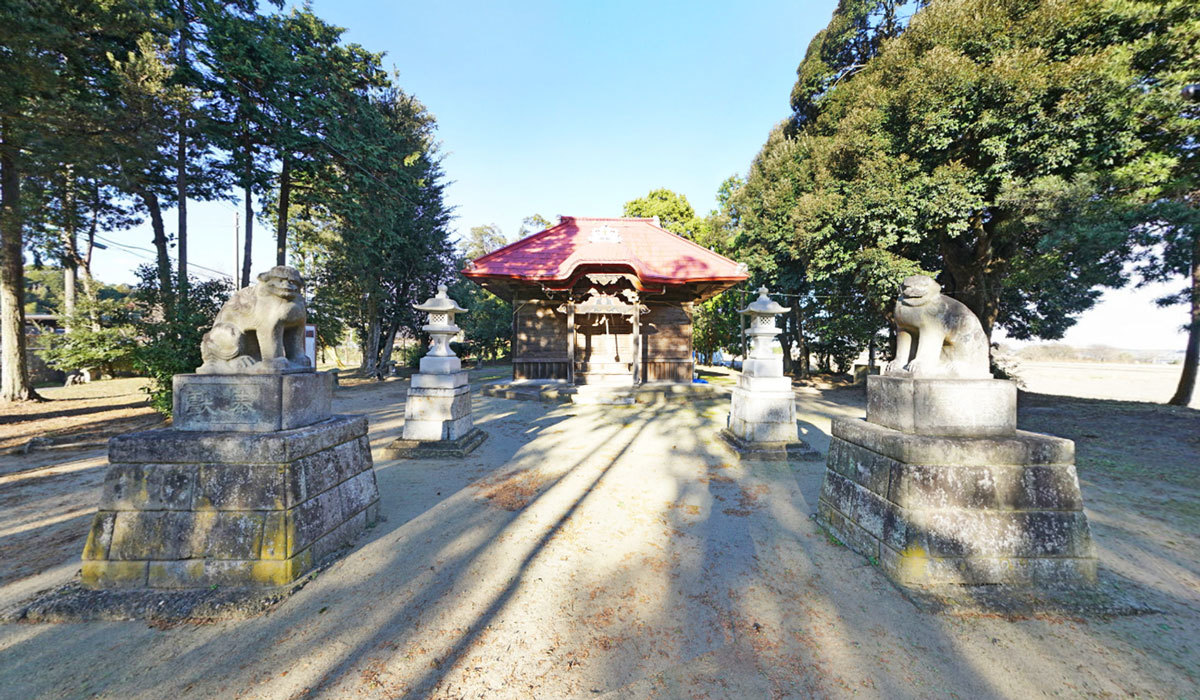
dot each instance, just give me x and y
(171, 345)
(101, 336)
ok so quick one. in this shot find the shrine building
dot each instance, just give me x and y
(604, 301)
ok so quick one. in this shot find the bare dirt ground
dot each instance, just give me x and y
(80, 413)
(592, 551)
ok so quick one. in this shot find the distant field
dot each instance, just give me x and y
(1094, 380)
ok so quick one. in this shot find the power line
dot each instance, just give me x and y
(191, 265)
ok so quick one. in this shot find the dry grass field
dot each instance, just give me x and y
(1096, 380)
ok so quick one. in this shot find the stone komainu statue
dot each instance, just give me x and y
(260, 330)
(950, 342)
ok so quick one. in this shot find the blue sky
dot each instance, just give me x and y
(575, 107)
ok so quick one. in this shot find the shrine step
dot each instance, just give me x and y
(604, 367)
(604, 378)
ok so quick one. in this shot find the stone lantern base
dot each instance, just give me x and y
(437, 418)
(762, 420)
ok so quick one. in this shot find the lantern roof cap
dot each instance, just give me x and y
(765, 306)
(440, 303)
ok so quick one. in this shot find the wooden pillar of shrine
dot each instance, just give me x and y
(570, 340)
(637, 341)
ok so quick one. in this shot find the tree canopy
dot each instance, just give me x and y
(997, 145)
(672, 209)
(113, 112)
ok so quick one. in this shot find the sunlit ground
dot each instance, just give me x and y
(591, 551)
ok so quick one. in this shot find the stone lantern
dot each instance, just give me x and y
(763, 362)
(762, 412)
(437, 414)
(440, 327)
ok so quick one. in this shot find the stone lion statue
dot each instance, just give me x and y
(950, 341)
(260, 330)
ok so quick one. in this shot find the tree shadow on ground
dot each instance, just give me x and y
(595, 550)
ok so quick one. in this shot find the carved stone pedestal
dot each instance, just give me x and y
(255, 482)
(939, 487)
(191, 509)
(438, 412)
(251, 403)
(762, 420)
(437, 418)
(966, 407)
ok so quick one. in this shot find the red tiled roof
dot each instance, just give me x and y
(655, 255)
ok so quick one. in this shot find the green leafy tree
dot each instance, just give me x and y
(854, 36)
(171, 345)
(481, 240)
(672, 209)
(249, 61)
(101, 338)
(1171, 253)
(488, 326)
(383, 243)
(114, 111)
(43, 290)
(533, 224)
(1164, 184)
(715, 325)
(975, 144)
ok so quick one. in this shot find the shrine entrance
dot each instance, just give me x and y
(603, 301)
(604, 332)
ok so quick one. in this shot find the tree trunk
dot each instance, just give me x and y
(281, 227)
(160, 247)
(14, 374)
(370, 359)
(70, 259)
(393, 329)
(785, 341)
(85, 264)
(181, 163)
(181, 196)
(1191, 357)
(974, 273)
(801, 345)
(245, 281)
(69, 291)
(389, 344)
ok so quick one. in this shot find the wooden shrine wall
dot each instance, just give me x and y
(667, 343)
(539, 341)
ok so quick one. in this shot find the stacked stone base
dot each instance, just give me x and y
(438, 407)
(763, 410)
(423, 449)
(437, 416)
(762, 419)
(958, 510)
(188, 509)
(796, 449)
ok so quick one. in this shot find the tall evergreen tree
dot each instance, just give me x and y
(976, 144)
